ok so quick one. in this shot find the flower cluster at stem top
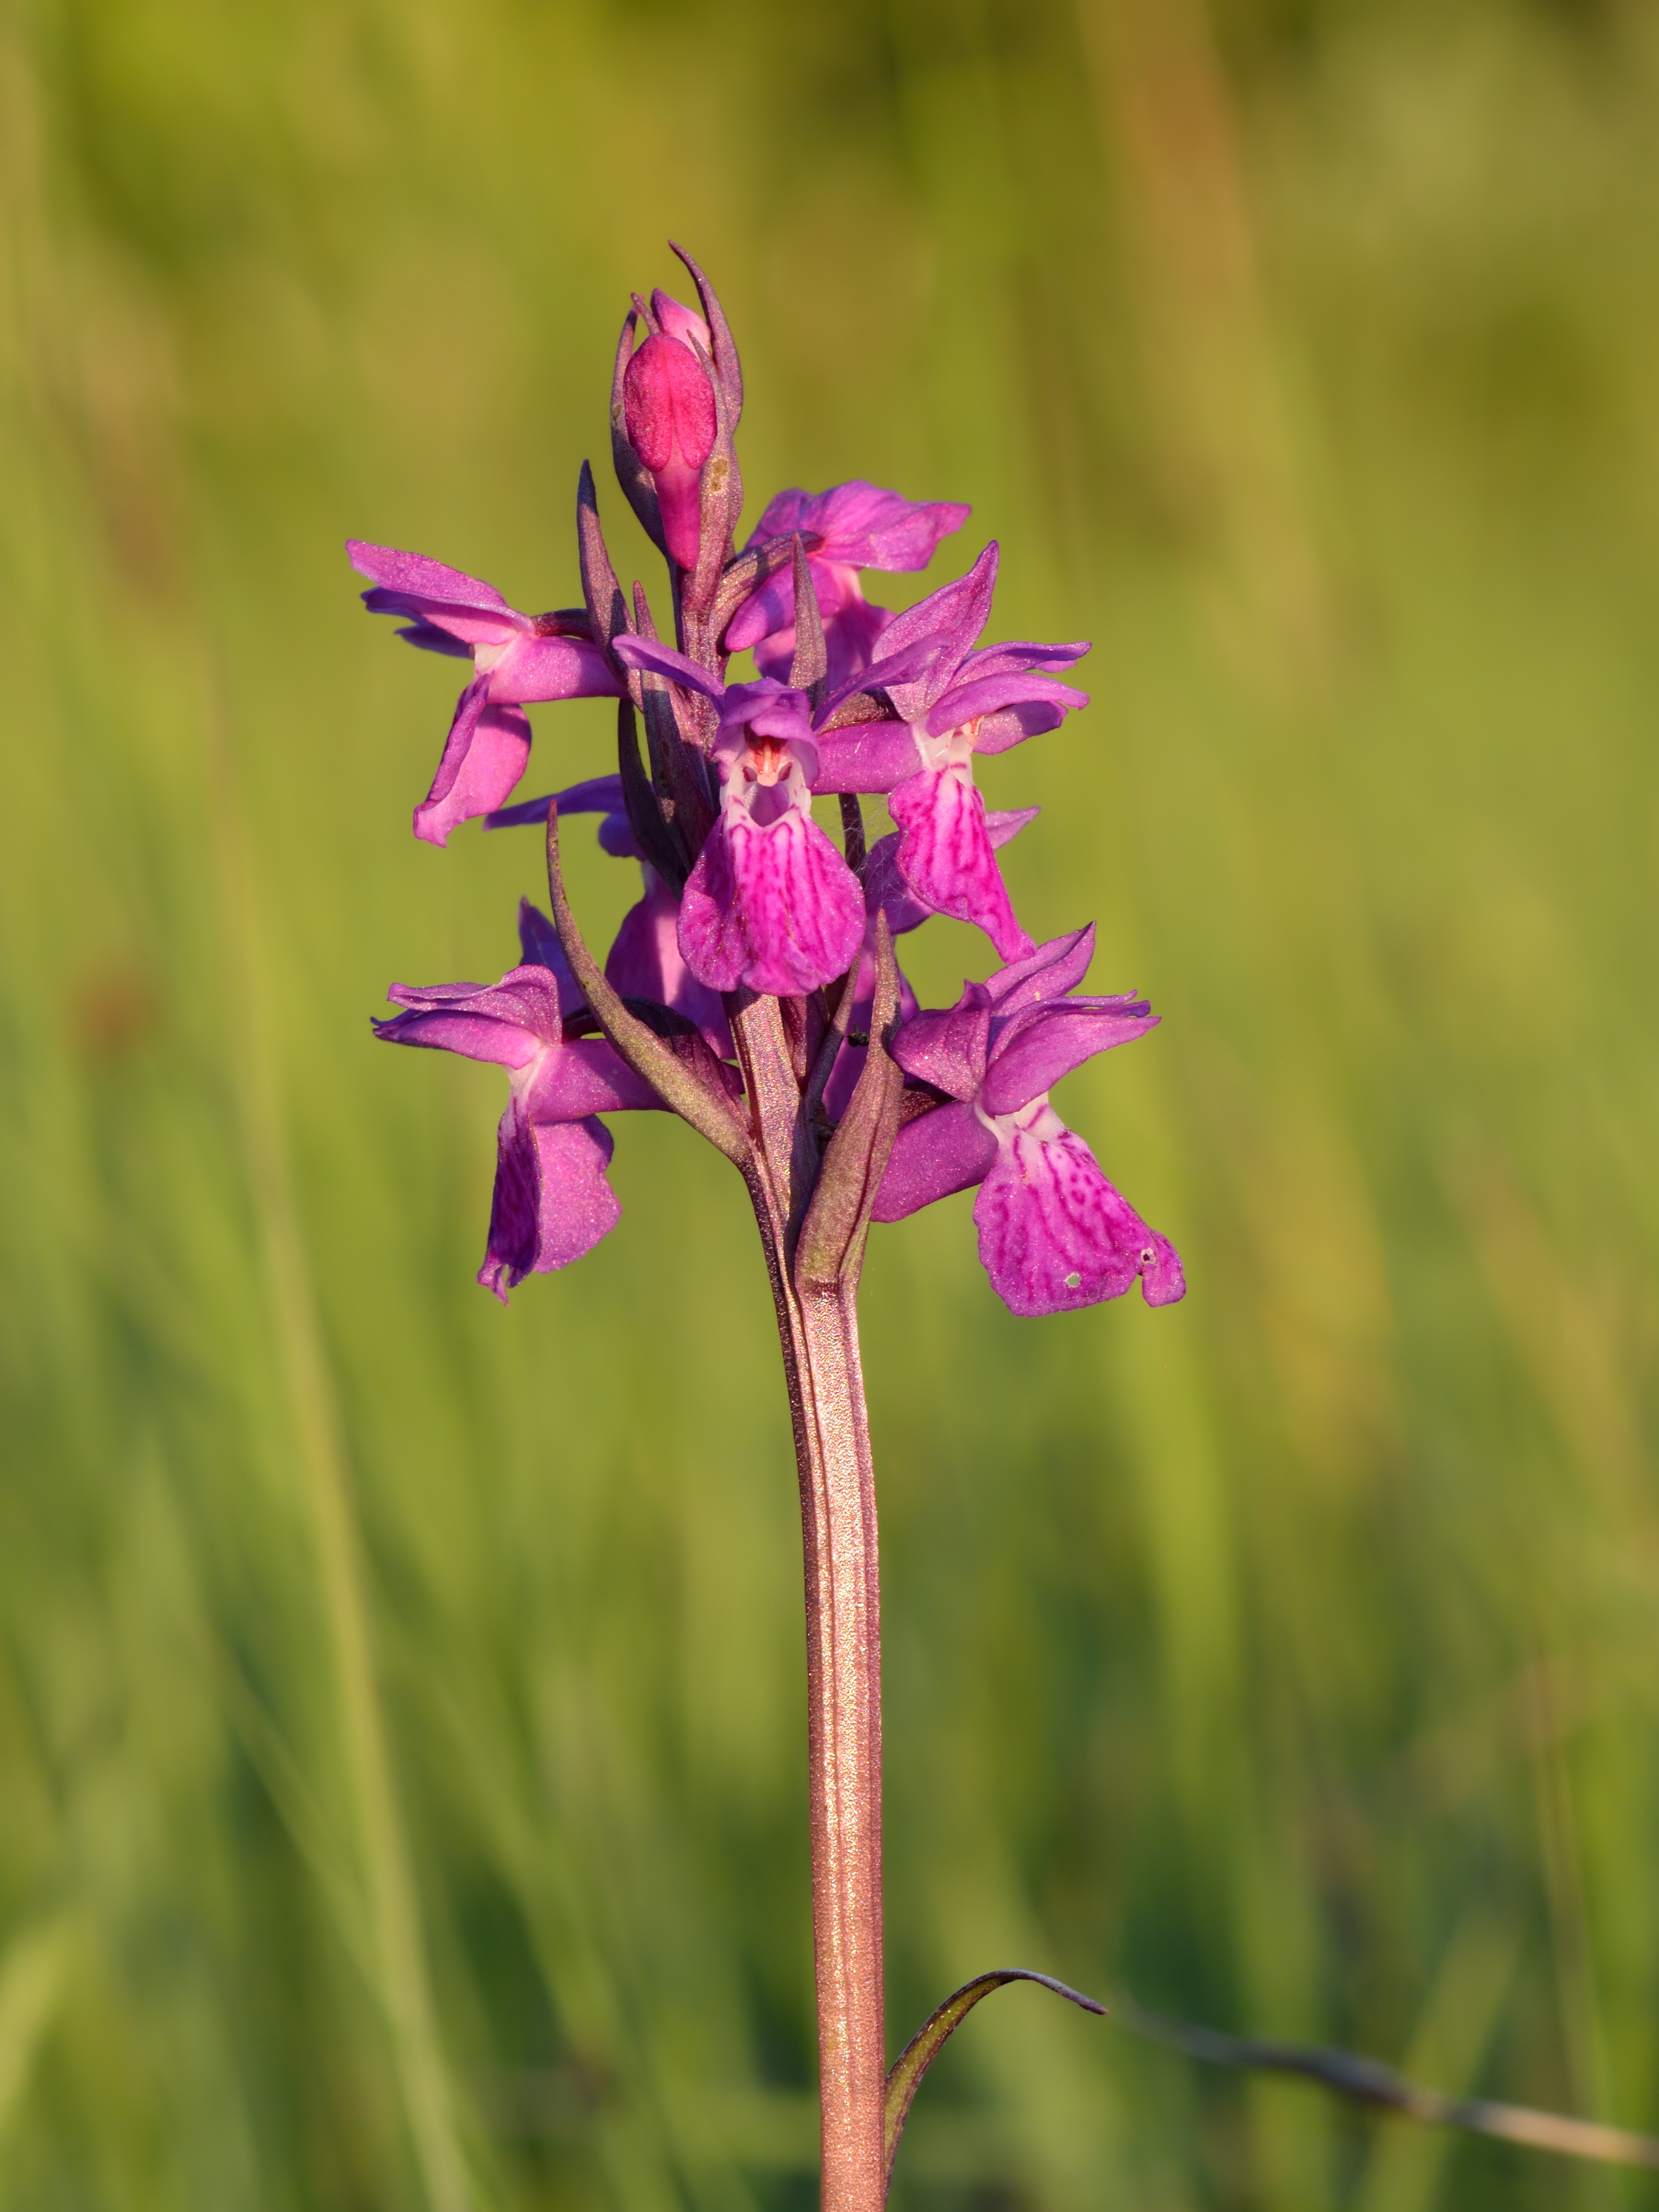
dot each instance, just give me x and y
(743, 893)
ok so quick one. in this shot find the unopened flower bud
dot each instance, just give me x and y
(686, 324)
(669, 407)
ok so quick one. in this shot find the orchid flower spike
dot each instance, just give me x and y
(518, 660)
(1053, 1232)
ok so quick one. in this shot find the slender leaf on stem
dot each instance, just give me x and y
(677, 765)
(831, 1245)
(727, 366)
(834, 1038)
(710, 1113)
(645, 819)
(607, 609)
(720, 502)
(904, 2076)
(810, 668)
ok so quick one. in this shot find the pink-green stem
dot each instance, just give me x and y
(818, 1327)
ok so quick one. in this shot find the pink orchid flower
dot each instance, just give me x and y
(1053, 1232)
(769, 903)
(952, 703)
(552, 1201)
(858, 525)
(886, 892)
(518, 660)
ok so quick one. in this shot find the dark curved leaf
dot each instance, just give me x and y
(904, 2076)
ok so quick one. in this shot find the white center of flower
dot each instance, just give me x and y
(1037, 1118)
(485, 658)
(950, 749)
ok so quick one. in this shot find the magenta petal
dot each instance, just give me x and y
(864, 525)
(1003, 824)
(960, 610)
(539, 942)
(669, 407)
(543, 668)
(850, 634)
(425, 636)
(998, 659)
(770, 709)
(598, 794)
(415, 577)
(1051, 1041)
(1055, 1234)
(993, 695)
(441, 627)
(869, 756)
(646, 962)
(946, 1151)
(884, 887)
(851, 637)
(587, 1076)
(473, 1035)
(676, 320)
(1011, 725)
(485, 754)
(552, 1201)
(947, 1048)
(946, 855)
(1046, 972)
(507, 1022)
(776, 907)
(1163, 1282)
(679, 488)
(957, 613)
(769, 607)
(662, 660)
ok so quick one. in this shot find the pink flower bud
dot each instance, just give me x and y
(668, 404)
(679, 322)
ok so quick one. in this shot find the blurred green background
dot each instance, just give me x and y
(401, 1700)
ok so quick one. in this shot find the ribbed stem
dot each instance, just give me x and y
(843, 1689)
(817, 1328)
